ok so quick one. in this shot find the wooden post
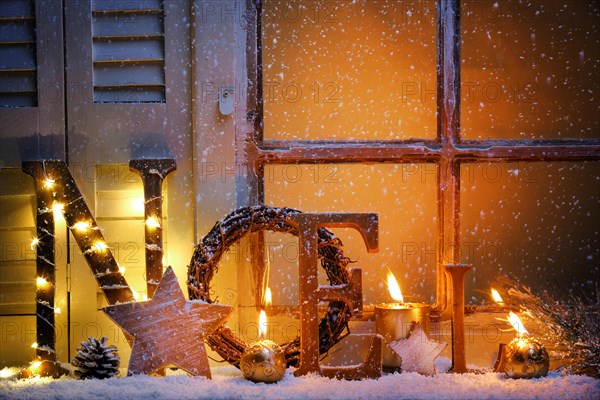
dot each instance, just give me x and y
(457, 277)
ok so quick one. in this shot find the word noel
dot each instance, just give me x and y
(55, 186)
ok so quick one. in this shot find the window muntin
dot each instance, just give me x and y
(404, 195)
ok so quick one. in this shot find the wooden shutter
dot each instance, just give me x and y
(31, 78)
(128, 51)
(18, 63)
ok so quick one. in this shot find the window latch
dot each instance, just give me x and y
(226, 96)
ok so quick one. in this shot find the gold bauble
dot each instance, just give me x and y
(263, 361)
(525, 358)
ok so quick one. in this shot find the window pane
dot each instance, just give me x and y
(535, 222)
(120, 215)
(530, 69)
(17, 230)
(404, 195)
(349, 70)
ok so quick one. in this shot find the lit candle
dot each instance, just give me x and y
(263, 360)
(524, 356)
(394, 321)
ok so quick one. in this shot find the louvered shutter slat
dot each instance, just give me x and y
(128, 51)
(18, 61)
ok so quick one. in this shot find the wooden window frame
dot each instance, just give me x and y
(448, 150)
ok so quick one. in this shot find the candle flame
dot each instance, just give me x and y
(394, 288)
(268, 297)
(516, 323)
(496, 296)
(262, 324)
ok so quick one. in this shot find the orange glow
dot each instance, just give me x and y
(41, 282)
(496, 296)
(262, 324)
(138, 204)
(35, 366)
(49, 183)
(516, 323)
(394, 288)
(268, 297)
(99, 246)
(34, 345)
(57, 310)
(6, 373)
(151, 222)
(57, 209)
(136, 295)
(121, 270)
(81, 226)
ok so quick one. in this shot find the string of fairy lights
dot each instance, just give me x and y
(88, 235)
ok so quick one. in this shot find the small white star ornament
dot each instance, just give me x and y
(417, 352)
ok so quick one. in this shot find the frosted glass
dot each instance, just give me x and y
(403, 195)
(349, 70)
(534, 222)
(530, 70)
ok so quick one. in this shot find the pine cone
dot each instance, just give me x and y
(96, 360)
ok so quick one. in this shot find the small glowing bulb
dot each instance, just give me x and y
(121, 270)
(81, 226)
(34, 243)
(152, 223)
(40, 281)
(56, 310)
(145, 297)
(99, 246)
(34, 345)
(57, 209)
(6, 373)
(49, 183)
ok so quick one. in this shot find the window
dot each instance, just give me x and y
(346, 91)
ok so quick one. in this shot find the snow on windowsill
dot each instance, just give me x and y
(228, 383)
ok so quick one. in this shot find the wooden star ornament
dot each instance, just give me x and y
(168, 329)
(417, 352)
